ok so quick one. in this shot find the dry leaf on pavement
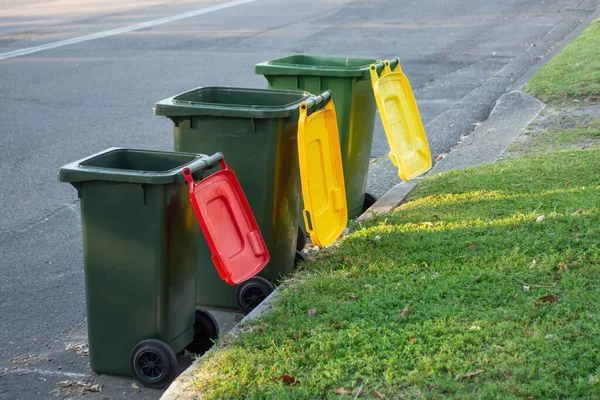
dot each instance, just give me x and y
(75, 388)
(28, 359)
(81, 349)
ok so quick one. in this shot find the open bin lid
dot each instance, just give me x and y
(409, 150)
(322, 176)
(237, 246)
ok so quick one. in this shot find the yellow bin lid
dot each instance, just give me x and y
(320, 158)
(409, 150)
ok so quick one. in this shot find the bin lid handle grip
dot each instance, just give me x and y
(203, 164)
(316, 102)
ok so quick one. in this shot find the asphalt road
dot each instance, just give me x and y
(65, 101)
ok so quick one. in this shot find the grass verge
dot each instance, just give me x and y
(485, 284)
(583, 132)
(574, 71)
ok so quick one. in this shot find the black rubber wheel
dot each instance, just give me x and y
(369, 201)
(301, 240)
(206, 329)
(252, 292)
(298, 258)
(153, 363)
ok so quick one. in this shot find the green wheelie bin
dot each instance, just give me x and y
(256, 129)
(349, 81)
(140, 258)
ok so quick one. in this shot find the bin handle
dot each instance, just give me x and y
(386, 68)
(380, 64)
(307, 221)
(203, 164)
(394, 64)
(316, 102)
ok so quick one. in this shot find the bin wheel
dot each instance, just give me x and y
(206, 329)
(153, 363)
(252, 292)
(369, 201)
(301, 242)
(298, 258)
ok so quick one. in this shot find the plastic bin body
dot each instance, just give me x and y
(257, 132)
(352, 93)
(139, 236)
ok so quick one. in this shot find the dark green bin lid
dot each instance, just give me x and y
(233, 102)
(135, 166)
(318, 66)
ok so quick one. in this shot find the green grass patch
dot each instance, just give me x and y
(574, 71)
(573, 136)
(538, 142)
(485, 284)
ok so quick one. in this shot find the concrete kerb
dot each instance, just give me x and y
(177, 388)
(512, 113)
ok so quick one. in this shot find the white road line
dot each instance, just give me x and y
(118, 31)
(25, 371)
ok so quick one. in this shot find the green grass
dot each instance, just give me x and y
(460, 255)
(574, 71)
(539, 142)
(575, 136)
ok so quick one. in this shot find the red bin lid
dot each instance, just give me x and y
(237, 246)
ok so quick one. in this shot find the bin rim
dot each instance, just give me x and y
(283, 66)
(172, 107)
(76, 171)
